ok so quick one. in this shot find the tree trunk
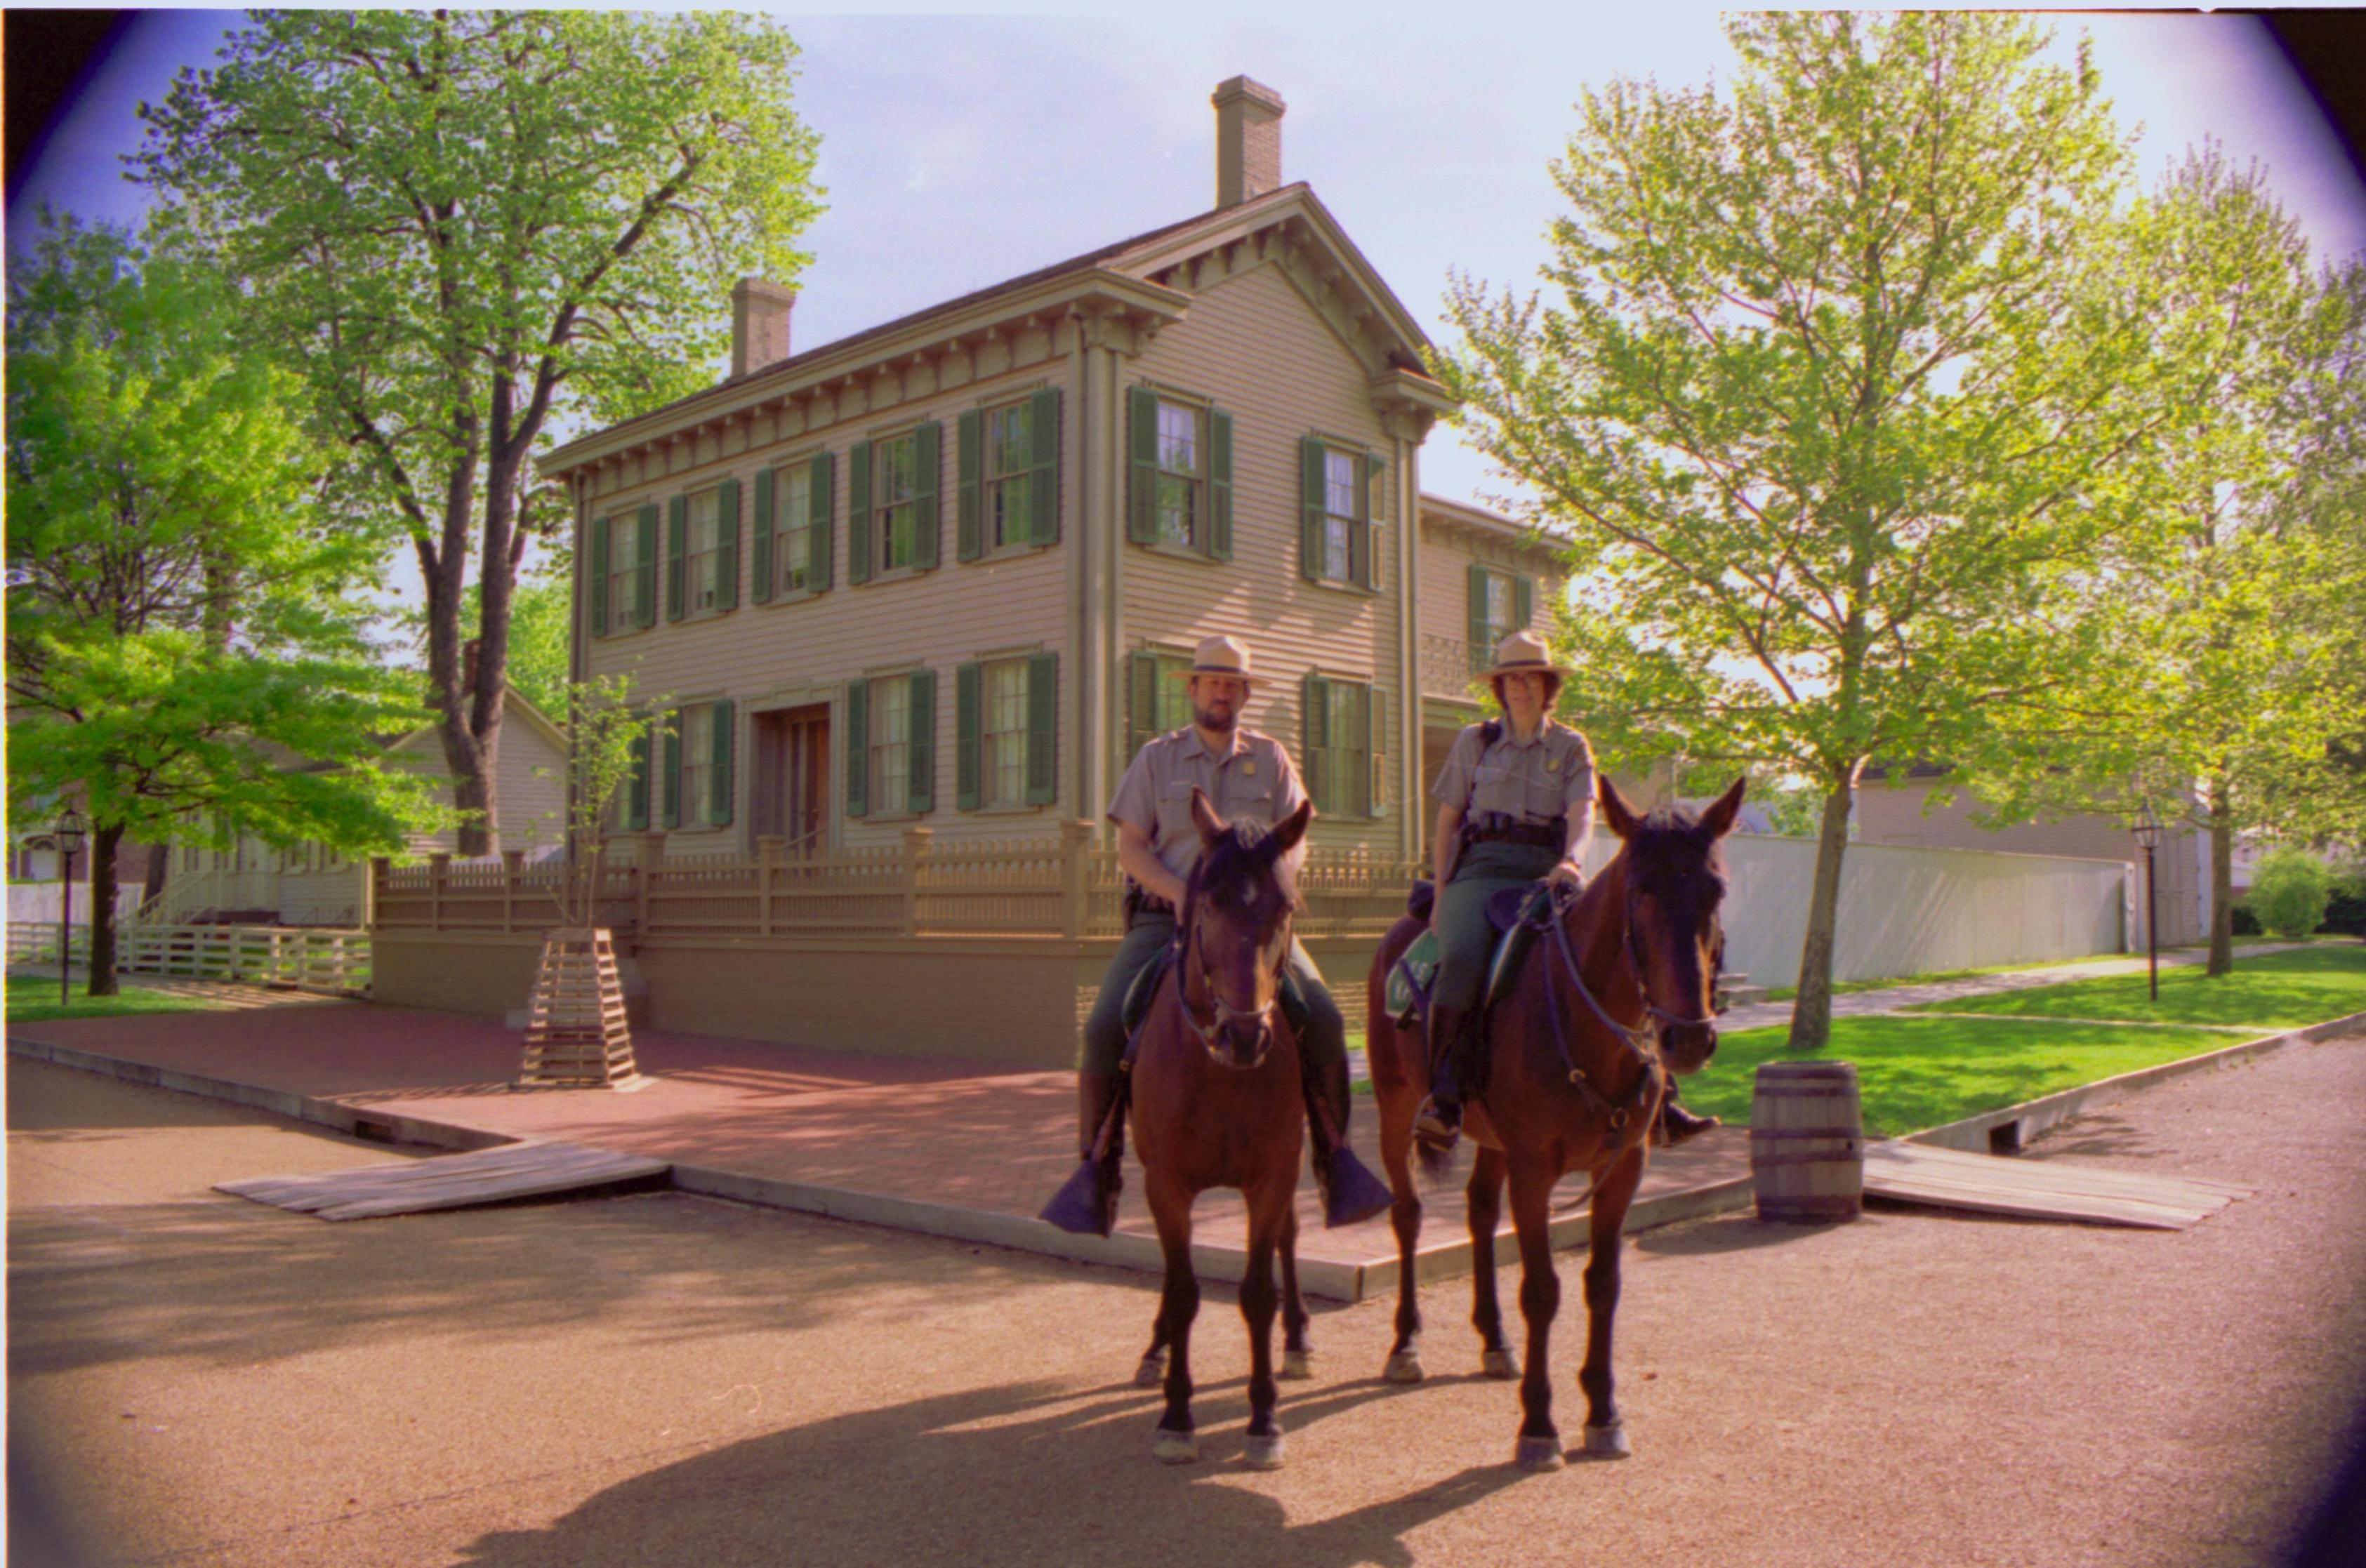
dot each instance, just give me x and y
(1812, 1014)
(104, 842)
(2222, 877)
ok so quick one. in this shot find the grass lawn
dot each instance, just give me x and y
(1918, 1072)
(1844, 988)
(2279, 990)
(33, 998)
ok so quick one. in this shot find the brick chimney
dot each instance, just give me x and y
(759, 324)
(1248, 140)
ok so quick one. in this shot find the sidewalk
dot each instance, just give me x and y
(963, 1150)
(1859, 1003)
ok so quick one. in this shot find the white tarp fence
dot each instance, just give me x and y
(1910, 912)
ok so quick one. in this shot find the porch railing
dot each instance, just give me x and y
(332, 961)
(1047, 886)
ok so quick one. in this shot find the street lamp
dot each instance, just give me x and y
(2148, 835)
(69, 834)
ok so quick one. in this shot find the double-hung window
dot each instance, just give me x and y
(1010, 476)
(895, 506)
(1501, 603)
(1181, 474)
(624, 570)
(891, 724)
(704, 558)
(696, 771)
(1339, 540)
(703, 552)
(793, 528)
(1005, 718)
(892, 504)
(1343, 751)
(1159, 697)
(891, 736)
(1004, 735)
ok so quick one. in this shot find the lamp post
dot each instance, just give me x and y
(2148, 835)
(69, 834)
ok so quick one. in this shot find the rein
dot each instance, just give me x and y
(1222, 1012)
(1642, 1041)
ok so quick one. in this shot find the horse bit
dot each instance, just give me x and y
(1643, 1041)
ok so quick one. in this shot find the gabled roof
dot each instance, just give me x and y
(1136, 274)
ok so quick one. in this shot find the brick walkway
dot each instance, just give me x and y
(954, 1147)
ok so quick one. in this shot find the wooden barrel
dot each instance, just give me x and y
(1807, 1142)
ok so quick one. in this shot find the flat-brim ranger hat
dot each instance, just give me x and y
(1524, 653)
(1225, 656)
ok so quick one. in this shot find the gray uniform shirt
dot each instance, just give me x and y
(1255, 780)
(1551, 776)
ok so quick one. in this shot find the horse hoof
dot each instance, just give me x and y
(1263, 1453)
(1174, 1448)
(1296, 1364)
(1538, 1454)
(1607, 1442)
(1151, 1372)
(1499, 1363)
(1404, 1367)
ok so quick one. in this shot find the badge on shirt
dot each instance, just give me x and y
(1249, 767)
(1552, 765)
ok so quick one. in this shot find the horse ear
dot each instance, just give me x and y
(1616, 812)
(1719, 818)
(1291, 829)
(1204, 817)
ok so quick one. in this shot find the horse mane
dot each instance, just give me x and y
(1240, 857)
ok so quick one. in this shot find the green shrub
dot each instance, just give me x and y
(2288, 891)
(2344, 911)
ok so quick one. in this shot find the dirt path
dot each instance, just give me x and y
(663, 1379)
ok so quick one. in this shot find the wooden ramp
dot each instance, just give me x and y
(447, 1180)
(2045, 1189)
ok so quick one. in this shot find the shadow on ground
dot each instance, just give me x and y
(1071, 1481)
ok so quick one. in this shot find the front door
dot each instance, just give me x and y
(793, 775)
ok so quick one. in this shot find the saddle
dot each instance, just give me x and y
(1516, 914)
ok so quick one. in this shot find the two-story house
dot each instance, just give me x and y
(925, 589)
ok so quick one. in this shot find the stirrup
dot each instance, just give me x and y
(1432, 1125)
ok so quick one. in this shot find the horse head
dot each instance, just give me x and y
(1237, 909)
(1675, 883)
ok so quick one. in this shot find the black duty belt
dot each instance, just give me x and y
(1496, 828)
(1143, 905)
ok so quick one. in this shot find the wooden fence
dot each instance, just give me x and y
(36, 942)
(332, 961)
(1047, 886)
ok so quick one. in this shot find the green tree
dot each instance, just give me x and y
(2235, 597)
(1816, 397)
(181, 638)
(466, 225)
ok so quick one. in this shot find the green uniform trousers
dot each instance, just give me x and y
(1322, 1033)
(1465, 939)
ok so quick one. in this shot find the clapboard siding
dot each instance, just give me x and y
(528, 778)
(792, 652)
(1256, 347)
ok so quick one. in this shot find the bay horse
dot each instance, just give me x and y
(1615, 993)
(1217, 1103)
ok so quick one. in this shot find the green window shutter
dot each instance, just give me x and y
(762, 577)
(1314, 701)
(1375, 470)
(596, 590)
(645, 587)
(1220, 484)
(670, 781)
(969, 462)
(1142, 705)
(927, 519)
(822, 478)
(1142, 498)
(858, 512)
(923, 798)
(727, 546)
(1042, 728)
(677, 547)
(968, 745)
(857, 747)
(1376, 729)
(1480, 654)
(1311, 511)
(1043, 489)
(1523, 600)
(636, 794)
(718, 807)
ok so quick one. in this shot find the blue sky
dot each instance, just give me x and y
(961, 150)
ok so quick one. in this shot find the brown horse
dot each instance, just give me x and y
(1217, 1103)
(1614, 995)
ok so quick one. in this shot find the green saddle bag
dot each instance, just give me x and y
(1410, 979)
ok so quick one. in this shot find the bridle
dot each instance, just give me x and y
(1642, 1041)
(1222, 1015)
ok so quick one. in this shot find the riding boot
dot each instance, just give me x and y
(1676, 1124)
(1086, 1204)
(1351, 1193)
(1438, 1122)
